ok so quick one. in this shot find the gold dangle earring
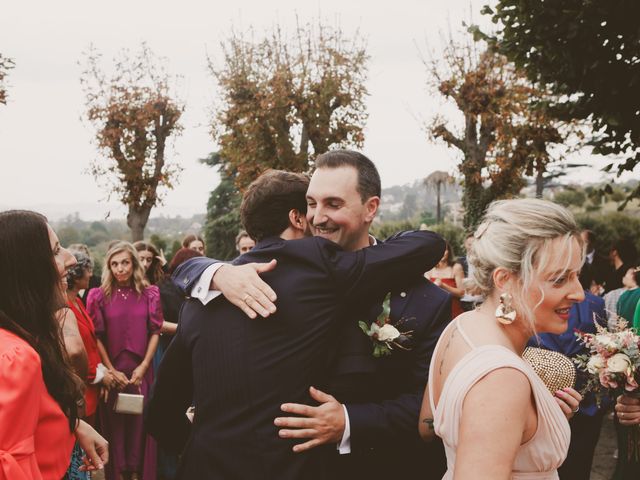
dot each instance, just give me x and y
(505, 313)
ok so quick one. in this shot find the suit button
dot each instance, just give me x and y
(403, 294)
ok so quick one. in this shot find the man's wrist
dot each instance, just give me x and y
(213, 285)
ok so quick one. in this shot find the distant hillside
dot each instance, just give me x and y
(402, 202)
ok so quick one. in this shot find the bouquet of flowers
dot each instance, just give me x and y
(613, 367)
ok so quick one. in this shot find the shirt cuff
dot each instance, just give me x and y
(201, 289)
(100, 371)
(345, 444)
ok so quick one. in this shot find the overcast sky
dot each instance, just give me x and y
(45, 146)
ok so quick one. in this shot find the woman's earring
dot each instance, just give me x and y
(505, 313)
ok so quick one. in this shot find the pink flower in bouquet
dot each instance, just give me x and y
(606, 380)
(631, 384)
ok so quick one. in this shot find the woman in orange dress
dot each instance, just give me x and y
(39, 392)
(449, 275)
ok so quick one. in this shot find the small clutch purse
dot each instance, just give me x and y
(556, 370)
(130, 403)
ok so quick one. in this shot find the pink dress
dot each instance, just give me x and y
(125, 322)
(540, 457)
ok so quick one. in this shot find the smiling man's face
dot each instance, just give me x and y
(335, 209)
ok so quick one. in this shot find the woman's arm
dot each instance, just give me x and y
(73, 343)
(169, 328)
(458, 276)
(138, 373)
(425, 425)
(495, 421)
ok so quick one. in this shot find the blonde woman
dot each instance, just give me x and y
(494, 414)
(127, 317)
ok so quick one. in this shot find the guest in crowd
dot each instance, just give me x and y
(628, 415)
(244, 242)
(152, 260)
(97, 374)
(449, 275)
(128, 318)
(628, 301)
(39, 393)
(94, 280)
(494, 414)
(622, 256)
(172, 297)
(587, 422)
(595, 268)
(194, 242)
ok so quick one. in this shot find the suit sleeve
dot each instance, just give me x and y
(171, 395)
(187, 274)
(376, 425)
(376, 270)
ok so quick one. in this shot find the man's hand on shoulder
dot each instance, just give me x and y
(242, 286)
(320, 425)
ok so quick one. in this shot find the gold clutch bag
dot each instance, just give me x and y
(556, 370)
(130, 403)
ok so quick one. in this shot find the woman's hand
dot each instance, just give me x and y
(161, 258)
(628, 410)
(120, 379)
(569, 401)
(138, 374)
(95, 447)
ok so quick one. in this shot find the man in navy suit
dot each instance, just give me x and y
(372, 406)
(239, 371)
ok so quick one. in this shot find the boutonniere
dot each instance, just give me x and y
(383, 334)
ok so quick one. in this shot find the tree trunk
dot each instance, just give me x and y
(539, 184)
(438, 210)
(137, 221)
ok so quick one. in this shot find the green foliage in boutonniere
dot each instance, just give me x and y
(383, 334)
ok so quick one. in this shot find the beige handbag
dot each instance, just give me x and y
(129, 403)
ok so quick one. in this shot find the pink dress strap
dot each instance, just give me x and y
(538, 458)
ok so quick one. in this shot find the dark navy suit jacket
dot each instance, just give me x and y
(239, 371)
(383, 395)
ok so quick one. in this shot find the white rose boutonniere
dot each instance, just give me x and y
(383, 334)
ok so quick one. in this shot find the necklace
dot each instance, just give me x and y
(123, 293)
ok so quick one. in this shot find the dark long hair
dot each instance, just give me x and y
(154, 273)
(30, 296)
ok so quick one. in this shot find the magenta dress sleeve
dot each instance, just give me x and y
(95, 304)
(156, 319)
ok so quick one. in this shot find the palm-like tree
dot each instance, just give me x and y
(438, 180)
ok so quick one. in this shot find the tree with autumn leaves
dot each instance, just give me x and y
(505, 132)
(286, 99)
(134, 113)
(6, 64)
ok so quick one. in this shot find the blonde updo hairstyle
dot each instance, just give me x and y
(516, 235)
(138, 280)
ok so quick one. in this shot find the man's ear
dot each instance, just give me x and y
(371, 206)
(297, 220)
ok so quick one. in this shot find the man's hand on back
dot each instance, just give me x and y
(320, 425)
(242, 286)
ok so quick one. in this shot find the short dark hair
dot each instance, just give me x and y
(626, 250)
(369, 184)
(266, 203)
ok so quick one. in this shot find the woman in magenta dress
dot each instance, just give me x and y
(128, 316)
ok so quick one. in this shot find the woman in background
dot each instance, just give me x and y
(39, 393)
(449, 275)
(128, 318)
(194, 242)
